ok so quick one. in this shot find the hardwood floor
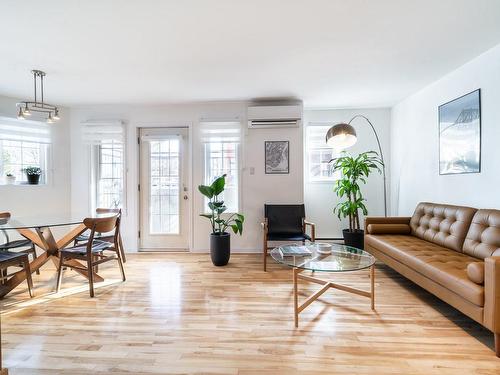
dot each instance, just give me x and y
(177, 314)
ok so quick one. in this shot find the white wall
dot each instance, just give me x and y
(54, 197)
(319, 196)
(415, 141)
(257, 189)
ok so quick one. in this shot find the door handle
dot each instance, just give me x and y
(185, 197)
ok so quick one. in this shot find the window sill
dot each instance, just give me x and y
(23, 184)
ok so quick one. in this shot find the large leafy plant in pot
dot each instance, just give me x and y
(220, 239)
(355, 171)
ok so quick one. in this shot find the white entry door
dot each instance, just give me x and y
(164, 194)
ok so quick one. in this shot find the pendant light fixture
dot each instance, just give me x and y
(26, 108)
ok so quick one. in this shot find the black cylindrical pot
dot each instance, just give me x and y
(33, 179)
(220, 248)
(354, 238)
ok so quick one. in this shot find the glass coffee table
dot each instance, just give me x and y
(341, 259)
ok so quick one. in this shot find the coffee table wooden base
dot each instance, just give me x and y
(297, 309)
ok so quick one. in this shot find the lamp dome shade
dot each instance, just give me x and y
(341, 136)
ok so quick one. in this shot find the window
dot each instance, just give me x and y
(106, 140)
(221, 153)
(109, 186)
(23, 144)
(318, 154)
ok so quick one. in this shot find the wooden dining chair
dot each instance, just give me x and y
(94, 251)
(84, 237)
(11, 259)
(26, 246)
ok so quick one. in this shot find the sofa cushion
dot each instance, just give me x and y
(475, 272)
(442, 224)
(444, 266)
(388, 229)
(483, 237)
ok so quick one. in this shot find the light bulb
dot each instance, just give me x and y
(26, 111)
(56, 115)
(20, 114)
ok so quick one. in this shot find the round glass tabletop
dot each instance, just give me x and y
(341, 258)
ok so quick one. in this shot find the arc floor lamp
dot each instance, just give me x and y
(343, 135)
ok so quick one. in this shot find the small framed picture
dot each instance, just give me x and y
(460, 135)
(277, 157)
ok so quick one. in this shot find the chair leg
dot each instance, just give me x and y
(59, 274)
(33, 250)
(120, 263)
(264, 256)
(29, 280)
(90, 270)
(122, 249)
(497, 344)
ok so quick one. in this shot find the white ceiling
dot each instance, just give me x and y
(331, 53)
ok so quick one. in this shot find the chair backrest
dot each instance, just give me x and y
(284, 218)
(101, 224)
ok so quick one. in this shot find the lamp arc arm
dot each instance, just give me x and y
(381, 156)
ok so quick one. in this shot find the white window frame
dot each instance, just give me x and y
(93, 134)
(96, 176)
(217, 133)
(309, 149)
(26, 132)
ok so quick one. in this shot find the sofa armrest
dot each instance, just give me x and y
(386, 220)
(492, 293)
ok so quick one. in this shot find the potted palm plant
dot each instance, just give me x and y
(355, 171)
(33, 175)
(220, 239)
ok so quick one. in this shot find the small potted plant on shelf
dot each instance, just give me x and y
(10, 178)
(220, 239)
(355, 170)
(33, 175)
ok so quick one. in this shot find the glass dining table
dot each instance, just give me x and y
(38, 230)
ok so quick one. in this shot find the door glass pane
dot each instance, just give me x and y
(164, 186)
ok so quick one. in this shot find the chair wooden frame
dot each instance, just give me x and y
(265, 227)
(117, 211)
(22, 260)
(31, 250)
(93, 259)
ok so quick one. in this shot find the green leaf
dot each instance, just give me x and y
(218, 184)
(207, 191)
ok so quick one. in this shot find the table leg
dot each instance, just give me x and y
(372, 286)
(295, 298)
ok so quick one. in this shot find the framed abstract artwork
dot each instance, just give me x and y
(277, 157)
(460, 135)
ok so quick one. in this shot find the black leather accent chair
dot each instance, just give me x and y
(285, 222)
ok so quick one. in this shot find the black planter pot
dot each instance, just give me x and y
(220, 248)
(33, 179)
(355, 238)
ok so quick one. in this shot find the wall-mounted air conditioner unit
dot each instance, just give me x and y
(274, 116)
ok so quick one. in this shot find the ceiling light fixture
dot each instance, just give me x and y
(26, 108)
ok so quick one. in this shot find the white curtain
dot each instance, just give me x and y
(24, 130)
(220, 131)
(95, 132)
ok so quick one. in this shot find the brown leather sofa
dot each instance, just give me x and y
(451, 251)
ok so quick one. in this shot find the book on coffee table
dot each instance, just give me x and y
(289, 251)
